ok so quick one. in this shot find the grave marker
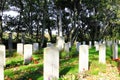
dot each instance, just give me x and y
(49, 44)
(77, 45)
(2, 49)
(27, 53)
(96, 46)
(2, 61)
(115, 51)
(60, 43)
(109, 43)
(20, 48)
(69, 44)
(66, 49)
(84, 43)
(35, 46)
(102, 53)
(51, 63)
(90, 44)
(83, 58)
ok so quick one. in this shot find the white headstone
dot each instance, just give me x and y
(51, 63)
(84, 43)
(69, 44)
(119, 42)
(2, 61)
(83, 58)
(95, 42)
(104, 42)
(35, 46)
(102, 53)
(2, 49)
(77, 45)
(20, 48)
(100, 42)
(109, 43)
(115, 51)
(27, 53)
(96, 46)
(60, 43)
(66, 49)
(90, 44)
(49, 44)
(1, 71)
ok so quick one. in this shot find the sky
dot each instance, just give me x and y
(11, 13)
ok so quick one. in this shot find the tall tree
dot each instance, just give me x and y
(2, 7)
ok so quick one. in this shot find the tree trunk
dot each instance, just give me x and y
(2, 5)
(60, 23)
(37, 34)
(50, 34)
(0, 28)
(44, 23)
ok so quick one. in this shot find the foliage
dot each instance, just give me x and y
(16, 70)
(89, 19)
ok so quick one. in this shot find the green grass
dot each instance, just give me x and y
(96, 67)
(16, 70)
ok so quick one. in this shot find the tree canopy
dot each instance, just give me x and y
(80, 19)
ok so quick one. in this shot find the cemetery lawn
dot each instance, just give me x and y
(16, 70)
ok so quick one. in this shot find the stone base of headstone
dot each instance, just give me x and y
(51, 63)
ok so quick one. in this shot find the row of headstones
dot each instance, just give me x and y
(111, 44)
(84, 43)
(26, 49)
(21, 46)
(51, 59)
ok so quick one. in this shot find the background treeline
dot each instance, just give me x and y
(82, 20)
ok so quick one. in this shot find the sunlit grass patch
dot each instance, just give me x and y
(96, 67)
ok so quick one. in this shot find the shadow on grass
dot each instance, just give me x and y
(32, 75)
(64, 71)
(10, 53)
(14, 64)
